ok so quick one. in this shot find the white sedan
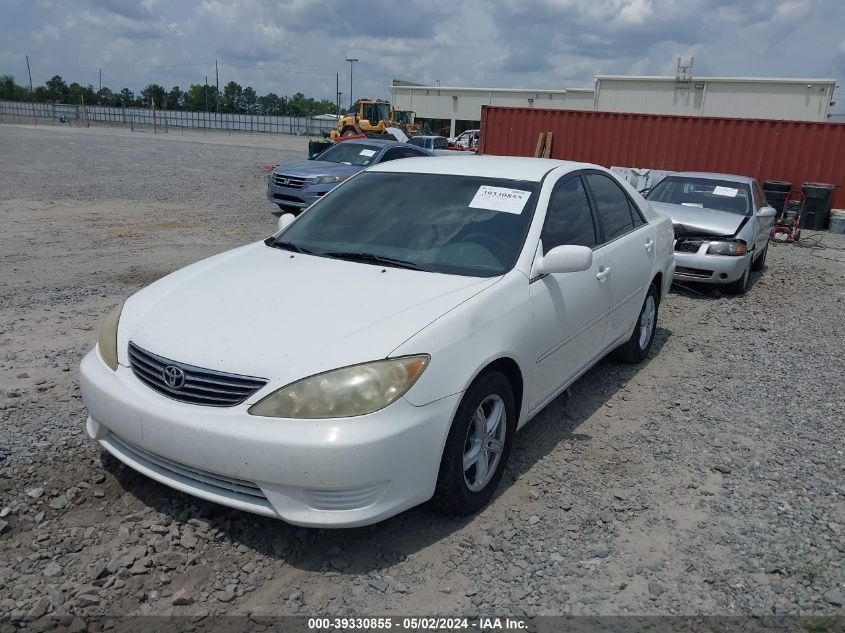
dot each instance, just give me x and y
(384, 347)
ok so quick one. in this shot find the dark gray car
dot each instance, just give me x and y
(296, 186)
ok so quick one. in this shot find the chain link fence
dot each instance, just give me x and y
(138, 119)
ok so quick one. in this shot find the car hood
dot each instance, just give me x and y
(312, 168)
(270, 313)
(698, 221)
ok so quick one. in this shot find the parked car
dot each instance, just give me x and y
(296, 186)
(722, 226)
(468, 139)
(383, 347)
(430, 142)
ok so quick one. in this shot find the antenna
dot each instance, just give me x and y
(683, 72)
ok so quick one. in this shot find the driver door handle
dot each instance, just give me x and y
(649, 244)
(604, 271)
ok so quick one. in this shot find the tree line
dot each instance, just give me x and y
(197, 98)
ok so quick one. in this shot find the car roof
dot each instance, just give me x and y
(427, 136)
(373, 141)
(506, 167)
(710, 175)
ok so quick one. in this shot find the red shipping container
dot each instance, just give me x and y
(795, 151)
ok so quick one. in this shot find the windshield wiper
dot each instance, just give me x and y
(290, 246)
(372, 258)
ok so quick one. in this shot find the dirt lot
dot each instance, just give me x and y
(709, 480)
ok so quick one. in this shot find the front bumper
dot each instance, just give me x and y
(296, 200)
(712, 269)
(317, 473)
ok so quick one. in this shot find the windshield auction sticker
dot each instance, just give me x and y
(725, 191)
(368, 152)
(500, 199)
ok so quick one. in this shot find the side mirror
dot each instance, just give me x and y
(285, 219)
(568, 258)
(766, 212)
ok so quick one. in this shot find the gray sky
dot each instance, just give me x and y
(285, 46)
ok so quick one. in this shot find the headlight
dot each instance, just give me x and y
(107, 342)
(346, 392)
(727, 248)
(324, 180)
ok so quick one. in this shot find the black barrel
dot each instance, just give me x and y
(816, 212)
(776, 192)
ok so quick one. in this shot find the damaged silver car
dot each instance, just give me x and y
(722, 226)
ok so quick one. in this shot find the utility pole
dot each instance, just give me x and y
(205, 116)
(217, 94)
(351, 61)
(337, 90)
(30, 75)
(101, 78)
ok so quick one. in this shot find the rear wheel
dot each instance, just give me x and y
(639, 345)
(349, 132)
(478, 445)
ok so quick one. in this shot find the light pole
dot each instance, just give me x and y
(351, 61)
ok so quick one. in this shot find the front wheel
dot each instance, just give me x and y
(478, 445)
(739, 286)
(639, 345)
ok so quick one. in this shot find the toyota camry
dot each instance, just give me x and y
(382, 348)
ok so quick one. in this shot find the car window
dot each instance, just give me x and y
(568, 218)
(611, 206)
(636, 215)
(704, 193)
(441, 143)
(392, 154)
(349, 153)
(759, 198)
(462, 225)
(407, 152)
(417, 140)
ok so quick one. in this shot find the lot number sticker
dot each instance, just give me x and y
(500, 199)
(725, 191)
(368, 152)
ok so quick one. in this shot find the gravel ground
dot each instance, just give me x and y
(707, 481)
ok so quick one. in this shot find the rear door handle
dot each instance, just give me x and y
(604, 271)
(649, 245)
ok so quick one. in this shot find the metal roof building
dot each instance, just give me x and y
(739, 97)
(451, 110)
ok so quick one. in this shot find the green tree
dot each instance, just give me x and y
(195, 98)
(154, 92)
(106, 97)
(232, 97)
(175, 99)
(250, 101)
(57, 89)
(7, 87)
(126, 98)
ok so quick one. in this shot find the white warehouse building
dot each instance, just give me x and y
(449, 110)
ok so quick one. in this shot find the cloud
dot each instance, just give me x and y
(288, 46)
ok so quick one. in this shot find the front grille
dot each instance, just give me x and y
(287, 198)
(693, 272)
(292, 182)
(199, 386)
(688, 246)
(196, 476)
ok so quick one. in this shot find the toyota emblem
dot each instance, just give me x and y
(173, 377)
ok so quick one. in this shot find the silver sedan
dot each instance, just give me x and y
(722, 226)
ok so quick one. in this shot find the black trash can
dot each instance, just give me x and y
(776, 192)
(816, 212)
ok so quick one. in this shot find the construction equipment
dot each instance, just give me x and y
(405, 121)
(787, 223)
(369, 117)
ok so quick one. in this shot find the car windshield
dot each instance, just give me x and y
(359, 154)
(461, 225)
(705, 193)
(419, 141)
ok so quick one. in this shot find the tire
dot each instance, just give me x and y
(639, 345)
(739, 286)
(465, 491)
(760, 262)
(348, 131)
